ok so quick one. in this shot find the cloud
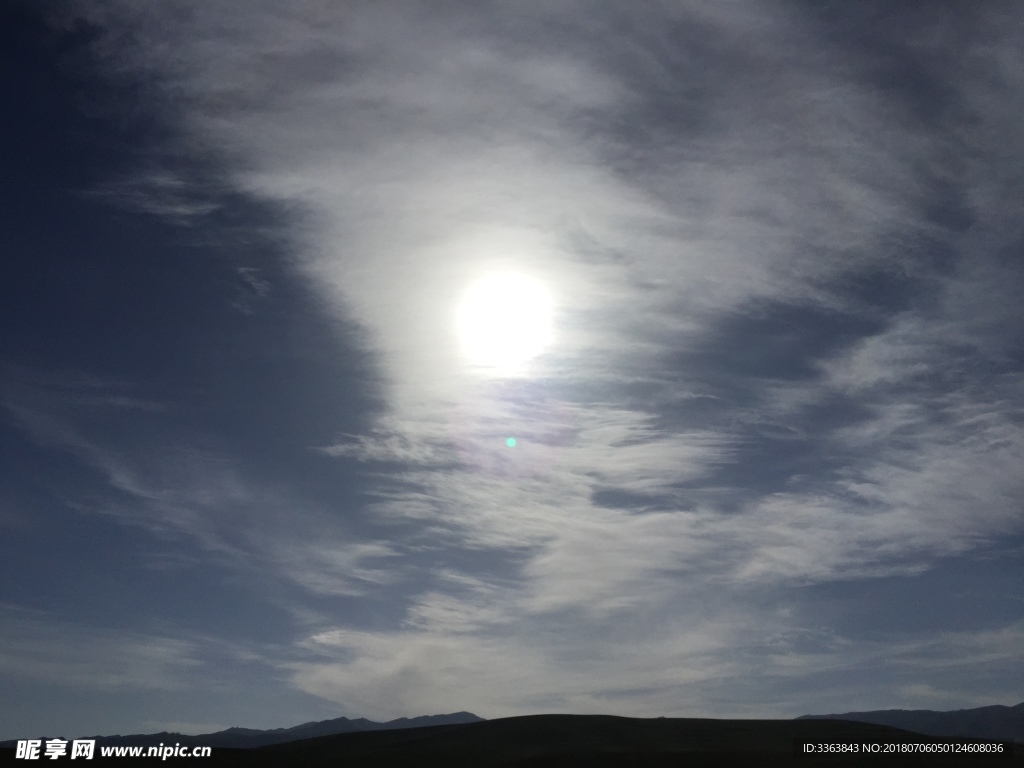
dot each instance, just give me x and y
(723, 658)
(787, 342)
(253, 288)
(162, 193)
(499, 673)
(41, 647)
(180, 491)
(334, 569)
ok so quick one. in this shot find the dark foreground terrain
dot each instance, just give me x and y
(993, 722)
(581, 741)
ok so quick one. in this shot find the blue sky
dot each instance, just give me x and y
(768, 458)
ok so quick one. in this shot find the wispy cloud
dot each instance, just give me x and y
(42, 648)
(182, 491)
(787, 346)
(162, 193)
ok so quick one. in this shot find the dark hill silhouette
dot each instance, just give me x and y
(588, 741)
(997, 722)
(579, 741)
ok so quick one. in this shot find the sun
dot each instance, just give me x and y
(503, 321)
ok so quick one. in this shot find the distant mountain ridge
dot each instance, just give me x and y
(250, 738)
(997, 722)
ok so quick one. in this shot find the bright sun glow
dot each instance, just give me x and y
(504, 321)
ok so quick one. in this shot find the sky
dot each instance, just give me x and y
(382, 359)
